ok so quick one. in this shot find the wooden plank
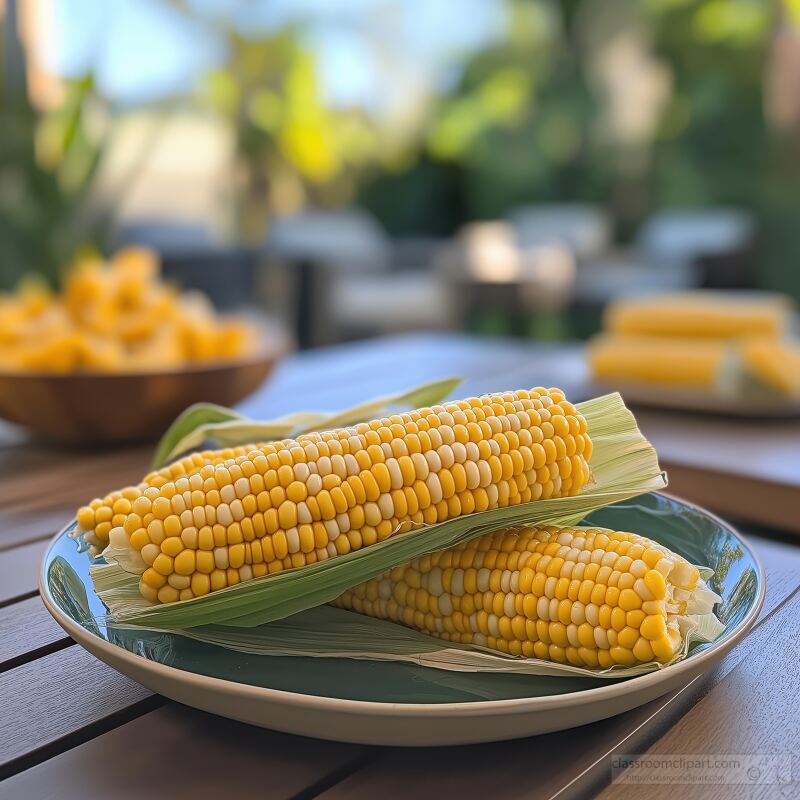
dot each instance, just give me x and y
(58, 700)
(332, 378)
(765, 450)
(755, 710)
(27, 631)
(19, 527)
(38, 499)
(729, 494)
(19, 570)
(179, 752)
(775, 556)
(51, 474)
(532, 768)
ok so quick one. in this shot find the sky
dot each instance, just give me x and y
(143, 51)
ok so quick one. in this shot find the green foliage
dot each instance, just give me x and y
(517, 129)
(528, 121)
(292, 148)
(47, 166)
(714, 141)
(526, 124)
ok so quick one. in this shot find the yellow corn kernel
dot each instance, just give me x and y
(328, 493)
(544, 617)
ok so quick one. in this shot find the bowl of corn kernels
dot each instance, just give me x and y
(118, 352)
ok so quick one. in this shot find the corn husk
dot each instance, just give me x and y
(227, 428)
(328, 632)
(623, 465)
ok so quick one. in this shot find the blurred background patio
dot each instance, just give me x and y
(372, 166)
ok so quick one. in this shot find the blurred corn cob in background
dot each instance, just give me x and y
(652, 359)
(775, 364)
(114, 317)
(700, 314)
(728, 345)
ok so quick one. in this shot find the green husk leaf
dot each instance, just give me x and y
(327, 632)
(428, 394)
(178, 437)
(623, 465)
(204, 421)
(230, 433)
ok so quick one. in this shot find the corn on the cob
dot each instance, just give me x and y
(590, 597)
(775, 364)
(298, 501)
(96, 519)
(660, 360)
(700, 314)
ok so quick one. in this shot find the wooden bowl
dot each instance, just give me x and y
(96, 408)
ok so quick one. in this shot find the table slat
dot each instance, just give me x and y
(36, 501)
(178, 752)
(59, 700)
(26, 631)
(748, 499)
(42, 479)
(536, 767)
(755, 710)
(19, 527)
(19, 569)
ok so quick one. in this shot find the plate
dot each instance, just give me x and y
(401, 704)
(755, 405)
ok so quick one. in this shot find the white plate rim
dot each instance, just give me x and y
(669, 398)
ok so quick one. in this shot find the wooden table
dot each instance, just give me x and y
(70, 727)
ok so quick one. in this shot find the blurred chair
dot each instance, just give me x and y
(716, 243)
(394, 303)
(584, 229)
(627, 273)
(163, 234)
(348, 241)
(306, 255)
(341, 277)
(498, 285)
